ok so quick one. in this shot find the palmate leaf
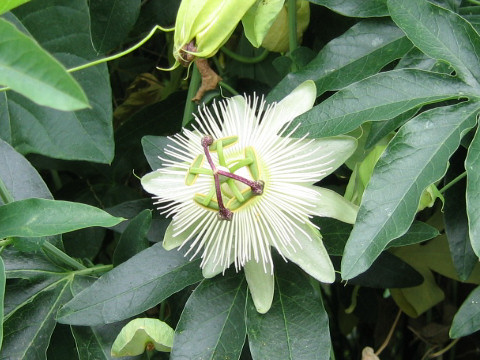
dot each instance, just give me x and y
(415, 158)
(380, 97)
(19, 177)
(441, 34)
(472, 165)
(364, 8)
(134, 286)
(61, 27)
(2, 296)
(37, 289)
(212, 324)
(360, 52)
(7, 5)
(467, 319)
(111, 21)
(28, 69)
(296, 326)
(42, 217)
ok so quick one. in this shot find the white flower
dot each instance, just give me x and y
(238, 184)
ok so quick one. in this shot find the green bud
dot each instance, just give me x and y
(277, 37)
(203, 26)
(429, 195)
(140, 334)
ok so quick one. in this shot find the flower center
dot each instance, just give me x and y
(230, 191)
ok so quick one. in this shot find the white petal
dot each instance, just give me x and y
(300, 100)
(156, 182)
(333, 205)
(213, 268)
(171, 242)
(312, 257)
(260, 284)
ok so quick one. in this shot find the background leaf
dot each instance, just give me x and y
(7, 5)
(112, 20)
(28, 69)
(472, 165)
(365, 8)
(427, 141)
(134, 238)
(41, 217)
(361, 51)
(441, 34)
(61, 27)
(2, 296)
(467, 319)
(20, 178)
(456, 222)
(148, 278)
(296, 326)
(212, 324)
(379, 97)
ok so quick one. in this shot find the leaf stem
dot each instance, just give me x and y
(5, 194)
(6, 242)
(292, 24)
(192, 89)
(59, 254)
(245, 59)
(474, 2)
(94, 270)
(453, 182)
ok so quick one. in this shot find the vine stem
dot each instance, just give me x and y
(6, 242)
(5, 194)
(113, 57)
(192, 89)
(453, 182)
(292, 24)
(94, 270)
(390, 333)
(59, 254)
(245, 59)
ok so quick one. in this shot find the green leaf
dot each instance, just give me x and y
(296, 326)
(8, 5)
(467, 319)
(29, 70)
(456, 222)
(134, 238)
(361, 51)
(153, 147)
(148, 278)
(364, 8)
(20, 178)
(335, 234)
(441, 34)
(472, 165)
(212, 324)
(427, 141)
(36, 296)
(388, 271)
(3, 281)
(42, 217)
(62, 29)
(379, 97)
(112, 20)
(131, 209)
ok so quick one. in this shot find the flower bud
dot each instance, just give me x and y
(203, 26)
(277, 37)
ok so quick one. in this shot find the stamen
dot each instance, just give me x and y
(256, 186)
(223, 212)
